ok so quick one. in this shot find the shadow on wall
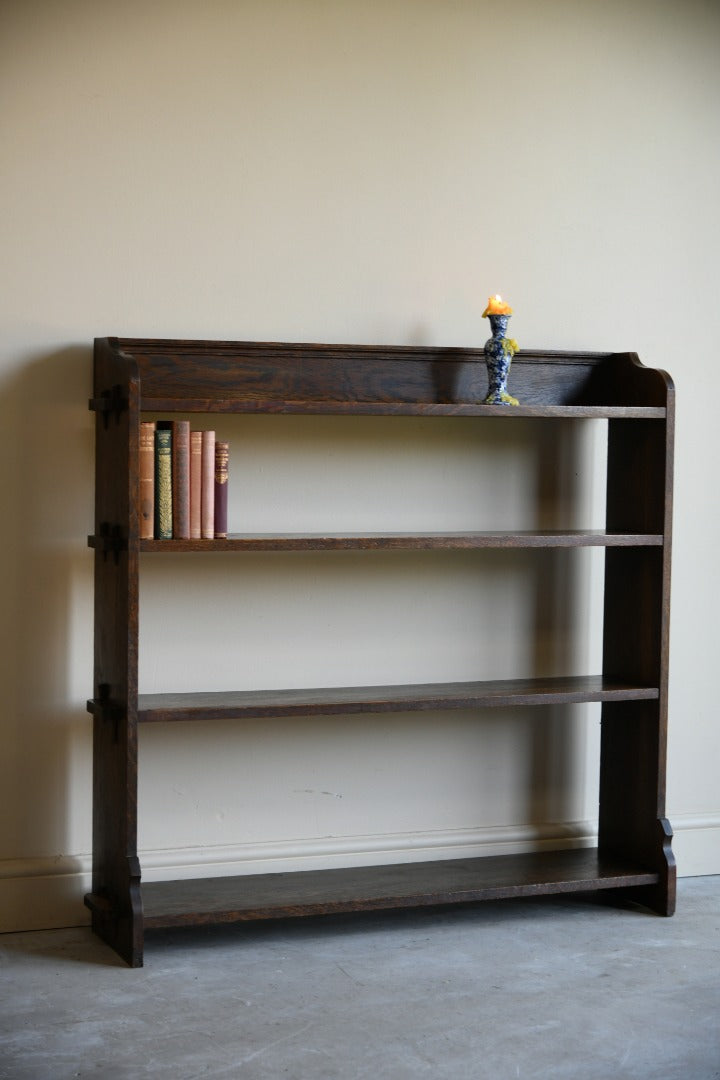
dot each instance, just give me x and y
(47, 617)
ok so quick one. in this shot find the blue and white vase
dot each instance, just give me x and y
(499, 351)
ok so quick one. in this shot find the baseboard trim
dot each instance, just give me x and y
(325, 852)
(43, 894)
(696, 844)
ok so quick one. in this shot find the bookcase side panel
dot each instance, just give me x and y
(115, 899)
(636, 619)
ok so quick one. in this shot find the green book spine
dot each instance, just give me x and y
(181, 479)
(163, 483)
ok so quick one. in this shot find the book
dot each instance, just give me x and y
(196, 485)
(163, 480)
(207, 494)
(146, 470)
(222, 451)
(181, 479)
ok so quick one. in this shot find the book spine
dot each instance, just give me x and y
(181, 479)
(163, 482)
(222, 451)
(207, 494)
(146, 468)
(195, 485)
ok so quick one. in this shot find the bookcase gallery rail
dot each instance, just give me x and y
(633, 855)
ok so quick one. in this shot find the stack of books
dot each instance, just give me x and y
(183, 482)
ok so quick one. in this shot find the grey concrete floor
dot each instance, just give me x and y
(567, 989)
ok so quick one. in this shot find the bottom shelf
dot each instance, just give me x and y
(315, 892)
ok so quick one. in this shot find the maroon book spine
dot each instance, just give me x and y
(222, 450)
(181, 479)
(195, 485)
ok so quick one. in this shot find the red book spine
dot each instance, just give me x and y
(195, 485)
(207, 492)
(147, 479)
(181, 479)
(222, 450)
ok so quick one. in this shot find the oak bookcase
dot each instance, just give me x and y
(633, 853)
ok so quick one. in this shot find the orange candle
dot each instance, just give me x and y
(497, 306)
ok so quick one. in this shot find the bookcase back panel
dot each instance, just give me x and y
(264, 372)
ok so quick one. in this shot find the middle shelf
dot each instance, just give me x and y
(407, 541)
(329, 701)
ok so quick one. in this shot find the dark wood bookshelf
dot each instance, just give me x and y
(133, 377)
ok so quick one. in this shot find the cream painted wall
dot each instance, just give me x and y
(367, 172)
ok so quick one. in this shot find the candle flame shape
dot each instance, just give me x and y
(497, 306)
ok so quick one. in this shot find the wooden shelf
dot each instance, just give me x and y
(399, 408)
(406, 541)
(270, 377)
(336, 701)
(321, 892)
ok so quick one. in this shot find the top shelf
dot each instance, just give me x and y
(160, 376)
(381, 408)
